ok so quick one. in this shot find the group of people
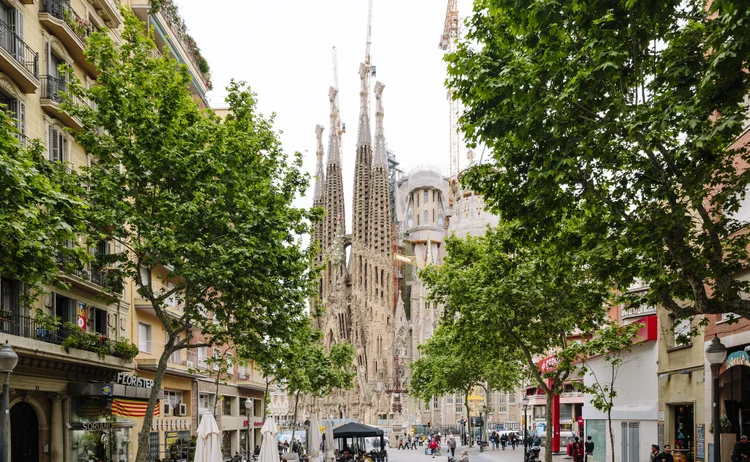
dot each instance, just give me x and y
(512, 439)
(740, 453)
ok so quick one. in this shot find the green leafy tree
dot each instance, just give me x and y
(313, 371)
(613, 344)
(42, 210)
(208, 201)
(451, 363)
(627, 116)
(529, 298)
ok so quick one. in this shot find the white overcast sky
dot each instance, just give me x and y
(282, 49)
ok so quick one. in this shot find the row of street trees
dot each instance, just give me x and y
(613, 132)
(172, 186)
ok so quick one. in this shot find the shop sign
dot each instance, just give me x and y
(738, 358)
(134, 381)
(549, 364)
(97, 426)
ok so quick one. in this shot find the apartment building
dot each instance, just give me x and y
(66, 403)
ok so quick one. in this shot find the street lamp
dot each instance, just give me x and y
(8, 361)
(249, 410)
(716, 353)
(525, 404)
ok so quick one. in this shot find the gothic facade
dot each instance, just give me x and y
(358, 293)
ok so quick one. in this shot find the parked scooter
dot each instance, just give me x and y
(533, 454)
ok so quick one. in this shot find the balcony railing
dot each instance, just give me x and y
(62, 10)
(15, 45)
(95, 277)
(24, 326)
(640, 310)
(53, 88)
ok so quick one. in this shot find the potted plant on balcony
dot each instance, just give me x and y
(45, 324)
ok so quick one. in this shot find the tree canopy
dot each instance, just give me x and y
(42, 211)
(207, 203)
(505, 295)
(625, 115)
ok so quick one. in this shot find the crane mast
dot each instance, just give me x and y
(451, 34)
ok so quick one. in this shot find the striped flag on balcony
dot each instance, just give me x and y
(132, 407)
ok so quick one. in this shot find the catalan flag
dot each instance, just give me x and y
(126, 407)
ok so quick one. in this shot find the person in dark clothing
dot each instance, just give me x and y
(654, 453)
(665, 456)
(504, 440)
(589, 447)
(741, 451)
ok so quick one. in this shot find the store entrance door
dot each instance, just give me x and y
(24, 433)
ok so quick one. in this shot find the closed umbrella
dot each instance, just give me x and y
(329, 457)
(208, 446)
(269, 451)
(313, 443)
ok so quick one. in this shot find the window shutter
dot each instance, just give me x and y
(624, 435)
(19, 32)
(55, 154)
(142, 337)
(21, 115)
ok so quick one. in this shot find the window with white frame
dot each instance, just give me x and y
(681, 330)
(729, 316)
(58, 144)
(144, 337)
(175, 358)
(206, 402)
(217, 358)
(173, 397)
(202, 355)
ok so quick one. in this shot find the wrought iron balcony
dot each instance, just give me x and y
(53, 88)
(18, 60)
(24, 326)
(62, 10)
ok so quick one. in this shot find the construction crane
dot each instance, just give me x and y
(335, 58)
(451, 34)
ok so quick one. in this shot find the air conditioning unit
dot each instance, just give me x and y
(167, 410)
(244, 377)
(182, 411)
(189, 363)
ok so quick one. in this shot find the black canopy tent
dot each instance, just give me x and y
(355, 430)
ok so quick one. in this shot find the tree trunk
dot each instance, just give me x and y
(294, 419)
(152, 398)
(550, 392)
(469, 436)
(265, 399)
(611, 433)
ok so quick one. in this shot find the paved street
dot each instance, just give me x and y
(509, 455)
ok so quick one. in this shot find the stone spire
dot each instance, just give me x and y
(364, 138)
(319, 197)
(379, 239)
(334, 190)
(361, 183)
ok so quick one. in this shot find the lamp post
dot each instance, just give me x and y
(525, 403)
(249, 410)
(8, 361)
(716, 353)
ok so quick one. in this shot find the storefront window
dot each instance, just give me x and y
(597, 430)
(95, 433)
(226, 443)
(683, 428)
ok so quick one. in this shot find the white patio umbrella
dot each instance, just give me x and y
(269, 450)
(208, 446)
(313, 442)
(329, 457)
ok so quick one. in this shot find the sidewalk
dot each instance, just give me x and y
(509, 455)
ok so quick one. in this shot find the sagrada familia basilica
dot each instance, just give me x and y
(369, 291)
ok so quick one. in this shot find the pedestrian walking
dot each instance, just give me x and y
(452, 445)
(666, 455)
(513, 441)
(577, 451)
(589, 448)
(654, 453)
(741, 451)
(414, 442)
(433, 446)
(400, 443)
